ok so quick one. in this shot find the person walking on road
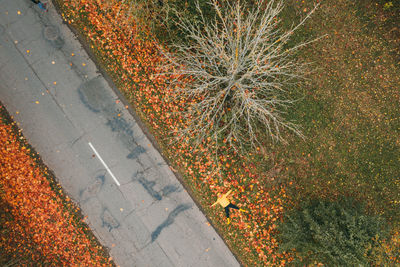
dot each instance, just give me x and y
(226, 204)
(42, 6)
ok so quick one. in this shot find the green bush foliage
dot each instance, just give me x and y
(336, 233)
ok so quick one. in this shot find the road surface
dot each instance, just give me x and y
(69, 113)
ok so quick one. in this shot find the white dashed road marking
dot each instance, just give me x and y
(105, 165)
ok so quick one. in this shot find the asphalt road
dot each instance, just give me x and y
(101, 157)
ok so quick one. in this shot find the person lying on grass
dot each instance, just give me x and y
(226, 204)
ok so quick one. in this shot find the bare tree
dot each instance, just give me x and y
(240, 69)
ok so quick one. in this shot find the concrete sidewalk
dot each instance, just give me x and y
(68, 112)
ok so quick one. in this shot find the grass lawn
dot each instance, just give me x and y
(351, 108)
(349, 112)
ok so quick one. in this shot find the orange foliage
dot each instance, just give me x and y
(134, 62)
(41, 226)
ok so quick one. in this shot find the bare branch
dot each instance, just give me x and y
(240, 69)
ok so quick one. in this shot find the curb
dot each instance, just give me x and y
(82, 40)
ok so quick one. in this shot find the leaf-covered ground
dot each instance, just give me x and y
(40, 225)
(349, 112)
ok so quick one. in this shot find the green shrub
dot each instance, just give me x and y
(333, 233)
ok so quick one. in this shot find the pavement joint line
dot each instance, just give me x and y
(31, 68)
(105, 165)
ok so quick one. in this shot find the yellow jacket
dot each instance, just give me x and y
(223, 200)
